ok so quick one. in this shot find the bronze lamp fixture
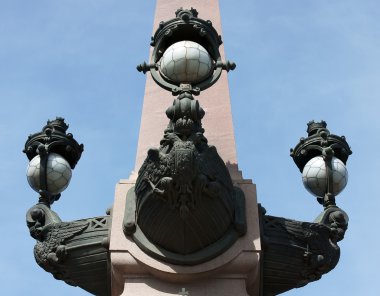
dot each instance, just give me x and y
(185, 209)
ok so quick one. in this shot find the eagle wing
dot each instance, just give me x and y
(58, 233)
(155, 167)
(212, 165)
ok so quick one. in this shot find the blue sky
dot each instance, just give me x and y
(296, 61)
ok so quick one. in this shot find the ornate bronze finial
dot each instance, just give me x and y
(186, 14)
(313, 127)
(54, 139)
(57, 124)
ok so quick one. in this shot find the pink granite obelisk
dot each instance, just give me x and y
(237, 270)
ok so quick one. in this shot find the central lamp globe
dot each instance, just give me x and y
(186, 62)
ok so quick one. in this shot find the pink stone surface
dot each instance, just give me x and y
(215, 100)
(228, 286)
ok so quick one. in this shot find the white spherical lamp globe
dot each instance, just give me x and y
(186, 62)
(58, 173)
(314, 176)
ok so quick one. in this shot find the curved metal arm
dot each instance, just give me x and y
(336, 219)
(38, 217)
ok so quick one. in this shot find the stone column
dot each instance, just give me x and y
(237, 270)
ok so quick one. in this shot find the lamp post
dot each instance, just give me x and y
(184, 210)
(53, 154)
(295, 252)
(75, 252)
(322, 157)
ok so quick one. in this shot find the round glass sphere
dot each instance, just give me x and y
(314, 176)
(58, 173)
(186, 62)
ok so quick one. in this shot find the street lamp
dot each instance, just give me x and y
(53, 154)
(297, 253)
(321, 158)
(184, 208)
(65, 249)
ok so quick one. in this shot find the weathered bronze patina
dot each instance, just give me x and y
(77, 251)
(184, 208)
(187, 210)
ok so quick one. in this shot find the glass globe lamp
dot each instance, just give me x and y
(58, 174)
(186, 62)
(315, 176)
